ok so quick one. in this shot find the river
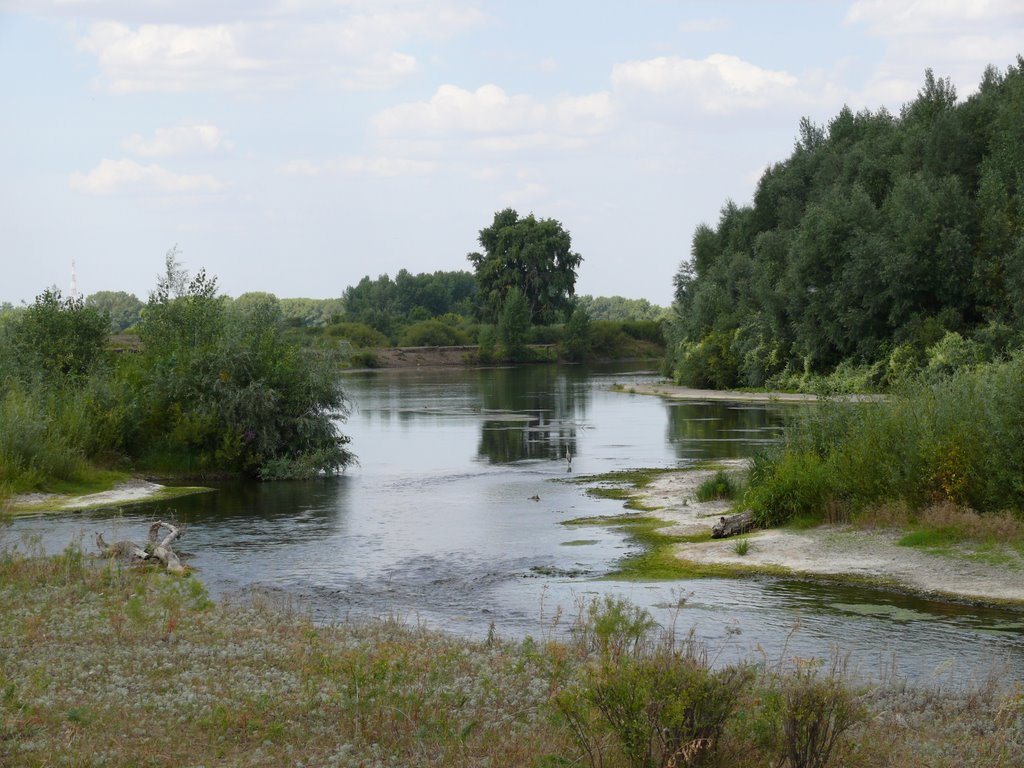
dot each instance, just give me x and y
(453, 519)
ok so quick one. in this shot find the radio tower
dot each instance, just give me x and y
(74, 282)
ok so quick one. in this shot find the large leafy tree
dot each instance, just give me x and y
(531, 254)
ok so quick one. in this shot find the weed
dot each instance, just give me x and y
(741, 547)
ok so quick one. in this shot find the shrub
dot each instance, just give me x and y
(654, 701)
(788, 485)
(577, 342)
(644, 330)
(359, 334)
(816, 711)
(514, 324)
(721, 485)
(546, 334)
(709, 363)
(432, 333)
(487, 340)
(607, 338)
(959, 439)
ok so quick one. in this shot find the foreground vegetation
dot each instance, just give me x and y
(105, 665)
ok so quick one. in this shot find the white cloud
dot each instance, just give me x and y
(360, 165)
(496, 121)
(349, 45)
(175, 58)
(896, 18)
(957, 38)
(112, 176)
(191, 139)
(718, 84)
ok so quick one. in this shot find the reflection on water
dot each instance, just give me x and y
(453, 518)
(539, 410)
(718, 430)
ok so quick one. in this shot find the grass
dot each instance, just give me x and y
(113, 666)
(721, 485)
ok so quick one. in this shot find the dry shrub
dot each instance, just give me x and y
(1001, 526)
(895, 514)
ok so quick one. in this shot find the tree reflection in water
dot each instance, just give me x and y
(715, 429)
(531, 412)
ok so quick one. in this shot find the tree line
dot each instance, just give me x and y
(889, 242)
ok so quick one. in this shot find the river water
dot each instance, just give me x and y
(453, 518)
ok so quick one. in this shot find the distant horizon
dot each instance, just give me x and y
(296, 147)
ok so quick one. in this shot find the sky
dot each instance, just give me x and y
(294, 146)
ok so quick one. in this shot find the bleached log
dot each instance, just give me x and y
(161, 550)
(124, 549)
(733, 525)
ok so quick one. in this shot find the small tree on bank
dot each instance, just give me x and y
(514, 324)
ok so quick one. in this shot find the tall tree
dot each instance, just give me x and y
(533, 255)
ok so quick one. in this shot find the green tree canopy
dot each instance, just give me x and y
(533, 255)
(877, 231)
(57, 337)
(124, 309)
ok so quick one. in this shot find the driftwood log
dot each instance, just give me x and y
(155, 549)
(733, 525)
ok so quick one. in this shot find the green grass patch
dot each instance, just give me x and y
(930, 538)
(635, 478)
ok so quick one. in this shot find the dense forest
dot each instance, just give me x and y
(885, 244)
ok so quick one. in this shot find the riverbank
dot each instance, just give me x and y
(986, 572)
(127, 493)
(467, 356)
(675, 392)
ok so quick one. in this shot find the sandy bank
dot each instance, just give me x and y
(835, 552)
(675, 392)
(134, 491)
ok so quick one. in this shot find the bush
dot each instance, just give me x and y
(959, 439)
(816, 711)
(788, 485)
(606, 338)
(721, 485)
(487, 339)
(652, 700)
(514, 325)
(359, 334)
(709, 363)
(644, 330)
(546, 334)
(432, 333)
(577, 342)
(952, 353)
